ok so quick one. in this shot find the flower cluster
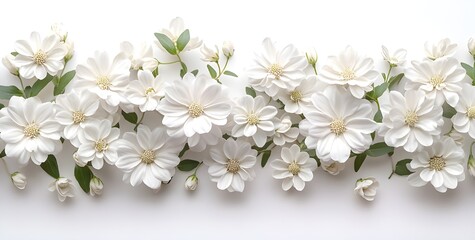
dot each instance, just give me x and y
(310, 113)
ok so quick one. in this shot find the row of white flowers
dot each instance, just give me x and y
(316, 116)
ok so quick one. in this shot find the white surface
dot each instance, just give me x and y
(327, 207)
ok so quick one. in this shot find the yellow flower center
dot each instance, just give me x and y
(147, 156)
(294, 168)
(103, 82)
(102, 145)
(149, 90)
(78, 117)
(252, 119)
(40, 57)
(436, 80)
(233, 166)
(276, 70)
(195, 110)
(337, 127)
(347, 74)
(31, 130)
(411, 118)
(296, 95)
(436, 163)
(471, 112)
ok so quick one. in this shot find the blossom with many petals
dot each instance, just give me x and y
(440, 49)
(395, 59)
(297, 99)
(464, 120)
(147, 91)
(137, 56)
(64, 187)
(284, 132)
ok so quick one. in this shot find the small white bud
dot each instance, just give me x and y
(19, 180)
(366, 188)
(64, 187)
(208, 54)
(77, 160)
(8, 61)
(471, 165)
(191, 182)
(95, 186)
(471, 46)
(70, 47)
(334, 168)
(228, 49)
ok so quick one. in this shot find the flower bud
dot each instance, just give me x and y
(228, 49)
(19, 180)
(208, 54)
(334, 168)
(77, 160)
(95, 186)
(471, 165)
(471, 46)
(191, 182)
(70, 47)
(8, 61)
(64, 187)
(366, 188)
(312, 57)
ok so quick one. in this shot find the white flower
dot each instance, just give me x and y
(366, 188)
(440, 164)
(70, 49)
(443, 48)
(410, 121)
(350, 70)
(194, 105)
(208, 54)
(253, 118)
(471, 46)
(284, 132)
(98, 143)
(64, 187)
(197, 142)
(95, 186)
(276, 69)
(77, 160)
(228, 49)
(464, 120)
(397, 58)
(38, 57)
(150, 64)
(295, 168)
(312, 56)
(298, 98)
(29, 130)
(148, 156)
(137, 55)
(440, 79)
(9, 63)
(191, 183)
(177, 27)
(232, 164)
(147, 91)
(457, 137)
(105, 77)
(340, 124)
(332, 167)
(57, 29)
(73, 111)
(19, 180)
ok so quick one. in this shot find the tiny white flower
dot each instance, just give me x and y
(137, 55)
(228, 49)
(440, 49)
(464, 120)
(208, 54)
(397, 58)
(191, 183)
(366, 188)
(284, 132)
(64, 187)
(471, 46)
(8, 62)
(177, 27)
(312, 56)
(19, 180)
(95, 186)
(297, 99)
(147, 91)
(333, 167)
(294, 167)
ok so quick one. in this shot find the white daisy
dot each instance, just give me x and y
(98, 142)
(137, 56)
(340, 124)
(410, 121)
(350, 70)
(440, 164)
(295, 168)
(397, 58)
(440, 79)
(232, 164)
(148, 156)
(177, 27)
(464, 119)
(147, 91)
(443, 48)
(284, 132)
(253, 118)
(195, 105)
(277, 69)
(38, 57)
(29, 130)
(298, 98)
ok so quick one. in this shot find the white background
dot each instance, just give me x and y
(327, 208)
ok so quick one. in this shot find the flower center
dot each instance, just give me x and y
(348, 74)
(294, 168)
(31, 130)
(233, 166)
(296, 95)
(40, 57)
(102, 145)
(149, 90)
(276, 70)
(103, 82)
(252, 119)
(436, 163)
(78, 117)
(411, 118)
(436, 81)
(471, 112)
(147, 157)
(195, 110)
(337, 127)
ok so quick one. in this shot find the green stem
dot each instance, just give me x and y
(22, 86)
(165, 63)
(314, 66)
(196, 169)
(139, 122)
(6, 167)
(389, 72)
(179, 58)
(220, 72)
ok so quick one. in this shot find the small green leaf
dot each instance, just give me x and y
(359, 161)
(3, 154)
(379, 149)
(1, 106)
(265, 158)
(380, 89)
(229, 73)
(39, 85)
(401, 167)
(187, 165)
(183, 70)
(14, 53)
(395, 80)
(7, 92)
(384, 75)
(448, 111)
(63, 82)
(166, 43)
(83, 175)
(470, 70)
(183, 40)
(130, 117)
(50, 166)
(378, 117)
(250, 91)
(27, 91)
(183, 151)
(195, 72)
(211, 71)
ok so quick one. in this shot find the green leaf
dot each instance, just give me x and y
(395, 80)
(401, 167)
(83, 175)
(130, 117)
(183, 151)
(7, 92)
(313, 154)
(1, 106)
(187, 165)
(470, 70)
(449, 111)
(183, 70)
(379, 149)
(63, 82)
(379, 90)
(250, 91)
(50, 166)
(384, 75)
(14, 53)
(166, 43)
(359, 161)
(195, 72)
(229, 73)
(182, 40)
(3, 154)
(39, 85)
(378, 117)
(211, 71)
(265, 158)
